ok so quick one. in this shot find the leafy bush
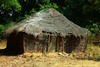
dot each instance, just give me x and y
(94, 29)
(48, 4)
(7, 4)
(3, 27)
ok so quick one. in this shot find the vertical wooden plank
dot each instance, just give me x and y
(85, 47)
(72, 44)
(63, 45)
(57, 46)
(44, 51)
(53, 44)
(35, 47)
(48, 43)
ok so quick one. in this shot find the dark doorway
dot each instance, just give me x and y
(15, 43)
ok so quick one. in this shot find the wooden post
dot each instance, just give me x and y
(57, 46)
(85, 45)
(44, 48)
(63, 44)
(48, 43)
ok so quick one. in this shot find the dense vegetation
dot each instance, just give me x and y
(85, 13)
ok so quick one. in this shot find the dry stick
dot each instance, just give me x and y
(64, 41)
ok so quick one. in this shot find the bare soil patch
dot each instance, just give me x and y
(40, 60)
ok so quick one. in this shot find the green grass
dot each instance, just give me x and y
(12, 59)
(45, 54)
(93, 51)
(32, 55)
(39, 56)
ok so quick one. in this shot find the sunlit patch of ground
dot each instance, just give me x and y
(3, 44)
(45, 61)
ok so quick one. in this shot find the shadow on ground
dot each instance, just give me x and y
(4, 52)
(90, 58)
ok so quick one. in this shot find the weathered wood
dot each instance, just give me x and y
(63, 44)
(44, 48)
(86, 45)
(33, 44)
(48, 43)
(28, 43)
(57, 46)
(72, 44)
(53, 44)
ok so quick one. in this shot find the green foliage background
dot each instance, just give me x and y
(85, 13)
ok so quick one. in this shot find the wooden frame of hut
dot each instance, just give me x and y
(46, 31)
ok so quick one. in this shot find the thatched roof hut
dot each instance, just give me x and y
(46, 25)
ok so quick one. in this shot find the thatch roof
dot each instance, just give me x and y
(48, 20)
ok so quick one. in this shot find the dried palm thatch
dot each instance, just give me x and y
(49, 20)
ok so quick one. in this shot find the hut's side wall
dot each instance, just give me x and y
(15, 43)
(82, 45)
(33, 44)
(73, 44)
(41, 44)
(18, 43)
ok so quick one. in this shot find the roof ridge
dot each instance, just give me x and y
(44, 10)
